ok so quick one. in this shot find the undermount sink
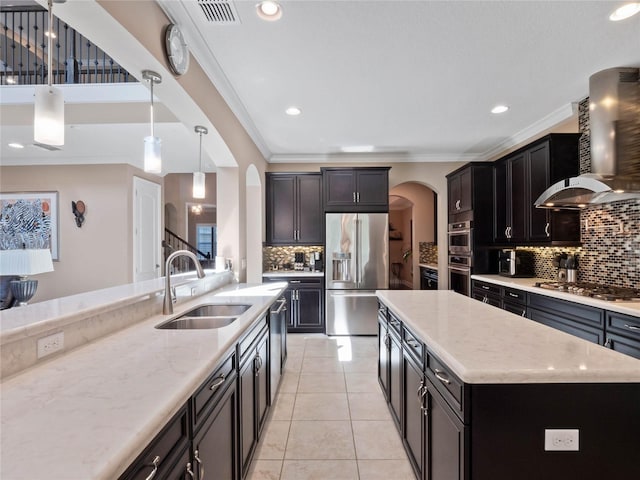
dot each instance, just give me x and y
(205, 317)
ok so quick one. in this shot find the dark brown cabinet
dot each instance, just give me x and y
(294, 209)
(460, 191)
(253, 393)
(413, 419)
(305, 303)
(395, 374)
(356, 189)
(520, 178)
(623, 333)
(510, 299)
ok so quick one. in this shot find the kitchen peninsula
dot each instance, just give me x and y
(89, 413)
(500, 396)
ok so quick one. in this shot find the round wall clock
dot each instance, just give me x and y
(177, 50)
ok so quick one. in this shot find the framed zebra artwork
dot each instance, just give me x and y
(29, 220)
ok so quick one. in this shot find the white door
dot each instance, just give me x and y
(146, 230)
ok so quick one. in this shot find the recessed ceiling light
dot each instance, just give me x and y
(293, 111)
(16, 145)
(625, 11)
(499, 109)
(269, 10)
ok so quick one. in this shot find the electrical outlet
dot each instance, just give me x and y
(562, 440)
(51, 344)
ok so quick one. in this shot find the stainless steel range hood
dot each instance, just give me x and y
(614, 111)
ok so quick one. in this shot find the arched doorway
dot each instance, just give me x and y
(400, 242)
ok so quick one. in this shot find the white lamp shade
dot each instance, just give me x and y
(24, 262)
(198, 185)
(152, 154)
(48, 118)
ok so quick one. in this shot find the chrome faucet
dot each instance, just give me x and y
(167, 308)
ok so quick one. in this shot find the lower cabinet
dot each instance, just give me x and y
(623, 334)
(215, 433)
(395, 376)
(413, 419)
(305, 303)
(254, 399)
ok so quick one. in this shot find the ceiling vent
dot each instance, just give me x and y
(220, 12)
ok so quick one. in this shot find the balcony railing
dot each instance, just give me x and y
(24, 55)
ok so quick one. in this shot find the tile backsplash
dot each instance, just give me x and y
(428, 252)
(280, 256)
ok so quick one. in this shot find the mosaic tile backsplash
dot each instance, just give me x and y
(428, 252)
(281, 256)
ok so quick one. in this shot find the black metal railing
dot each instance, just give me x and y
(173, 242)
(75, 59)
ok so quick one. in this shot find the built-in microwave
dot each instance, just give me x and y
(460, 237)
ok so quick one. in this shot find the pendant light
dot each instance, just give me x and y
(198, 177)
(152, 144)
(48, 117)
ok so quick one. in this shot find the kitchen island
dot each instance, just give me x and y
(89, 413)
(493, 390)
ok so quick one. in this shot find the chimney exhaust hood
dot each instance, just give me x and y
(614, 111)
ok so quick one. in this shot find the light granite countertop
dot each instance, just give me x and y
(432, 266)
(484, 344)
(89, 413)
(528, 284)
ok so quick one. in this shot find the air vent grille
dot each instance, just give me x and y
(221, 12)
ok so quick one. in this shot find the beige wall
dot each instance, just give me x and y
(100, 254)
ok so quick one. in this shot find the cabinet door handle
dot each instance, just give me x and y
(608, 343)
(201, 465)
(420, 392)
(189, 471)
(354, 197)
(546, 230)
(631, 327)
(457, 204)
(154, 464)
(357, 197)
(485, 287)
(485, 299)
(295, 281)
(440, 375)
(524, 313)
(219, 381)
(513, 295)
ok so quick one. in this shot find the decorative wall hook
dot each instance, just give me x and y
(78, 208)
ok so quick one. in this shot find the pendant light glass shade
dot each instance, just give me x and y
(152, 144)
(48, 118)
(199, 188)
(152, 154)
(198, 185)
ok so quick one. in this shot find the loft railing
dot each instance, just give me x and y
(75, 59)
(173, 242)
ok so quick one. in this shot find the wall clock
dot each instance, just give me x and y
(177, 50)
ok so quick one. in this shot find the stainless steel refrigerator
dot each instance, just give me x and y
(356, 265)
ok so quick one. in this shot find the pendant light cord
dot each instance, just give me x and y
(151, 82)
(49, 53)
(200, 133)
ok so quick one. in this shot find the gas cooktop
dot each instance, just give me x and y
(594, 290)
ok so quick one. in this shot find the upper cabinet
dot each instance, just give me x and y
(294, 209)
(356, 189)
(520, 178)
(460, 191)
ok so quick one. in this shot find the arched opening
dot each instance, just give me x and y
(412, 211)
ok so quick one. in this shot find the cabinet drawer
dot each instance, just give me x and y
(514, 296)
(622, 344)
(249, 339)
(569, 310)
(446, 382)
(413, 345)
(567, 325)
(394, 323)
(166, 447)
(516, 308)
(487, 287)
(624, 325)
(213, 387)
(485, 297)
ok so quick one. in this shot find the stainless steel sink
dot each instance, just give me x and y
(206, 317)
(196, 323)
(217, 310)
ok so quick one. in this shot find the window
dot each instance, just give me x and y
(206, 239)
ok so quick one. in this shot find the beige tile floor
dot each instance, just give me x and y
(329, 420)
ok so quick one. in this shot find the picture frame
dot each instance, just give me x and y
(29, 220)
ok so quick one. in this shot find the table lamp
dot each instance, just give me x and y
(22, 263)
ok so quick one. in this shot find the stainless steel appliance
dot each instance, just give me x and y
(356, 265)
(460, 274)
(516, 263)
(601, 292)
(460, 237)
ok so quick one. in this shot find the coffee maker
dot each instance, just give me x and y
(317, 261)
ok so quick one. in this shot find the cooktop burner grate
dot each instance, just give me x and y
(594, 290)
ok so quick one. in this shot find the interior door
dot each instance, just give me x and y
(146, 229)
